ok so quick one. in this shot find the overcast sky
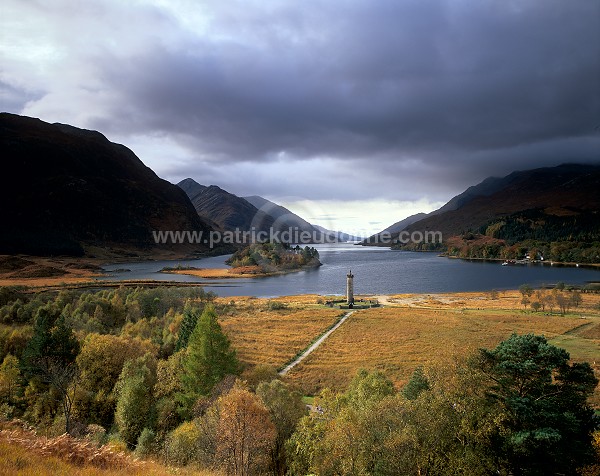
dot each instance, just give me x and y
(353, 113)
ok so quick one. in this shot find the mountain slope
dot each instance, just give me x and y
(191, 187)
(285, 220)
(227, 210)
(402, 224)
(332, 235)
(555, 189)
(65, 189)
(282, 217)
(395, 228)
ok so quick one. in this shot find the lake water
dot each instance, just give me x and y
(376, 271)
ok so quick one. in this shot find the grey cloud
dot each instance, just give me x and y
(14, 98)
(421, 98)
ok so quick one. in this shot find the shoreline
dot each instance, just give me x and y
(233, 273)
(564, 264)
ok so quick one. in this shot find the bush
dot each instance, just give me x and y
(181, 444)
(145, 443)
(95, 434)
(276, 305)
(116, 444)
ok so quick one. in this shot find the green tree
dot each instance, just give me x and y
(367, 388)
(305, 447)
(168, 385)
(418, 383)
(286, 408)
(526, 290)
(190, 318)
(101, 362)
(208, 359)
(536, 306)
(341, 436)
(549, 424)
(49, 358)
(53, 342)
(9, 378)
(134, 402)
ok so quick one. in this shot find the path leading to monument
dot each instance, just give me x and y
(315, 345)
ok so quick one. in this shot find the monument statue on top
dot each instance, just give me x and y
(350, 288)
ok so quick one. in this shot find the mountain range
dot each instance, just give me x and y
(229, 212)
(70, 191)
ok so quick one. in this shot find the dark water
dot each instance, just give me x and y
(376, 271)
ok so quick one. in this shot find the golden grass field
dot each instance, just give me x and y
(414, 330)
(273, 337)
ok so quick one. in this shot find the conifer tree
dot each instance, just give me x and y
(190, 318)
(418, 383)
(53, 342)
(209, 358)
(49, 357)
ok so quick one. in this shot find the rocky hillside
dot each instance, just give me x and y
(70, 191)
(563, 190)
(551, 212)
(283, 218)
(226, 210)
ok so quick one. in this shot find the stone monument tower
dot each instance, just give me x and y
(350, 288)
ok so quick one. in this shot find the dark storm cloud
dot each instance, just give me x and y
(415, 95)
(428, 80)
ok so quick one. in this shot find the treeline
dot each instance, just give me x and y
(152, 370)
(276, 256)
(572, 238)
(560, 297)
(536, 225)
(559, 251)
(419, 246)
(569, 239)
(146, 369)
(80, 342)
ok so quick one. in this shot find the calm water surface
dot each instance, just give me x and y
(376, 271)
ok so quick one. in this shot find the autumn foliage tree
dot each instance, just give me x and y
(101, 361)
(246, 433)
(49, 358)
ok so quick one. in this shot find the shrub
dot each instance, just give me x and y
(181, 444)
(145, 443)
(276, 305)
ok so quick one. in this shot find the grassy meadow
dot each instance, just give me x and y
(418, 330)
(271, 332)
